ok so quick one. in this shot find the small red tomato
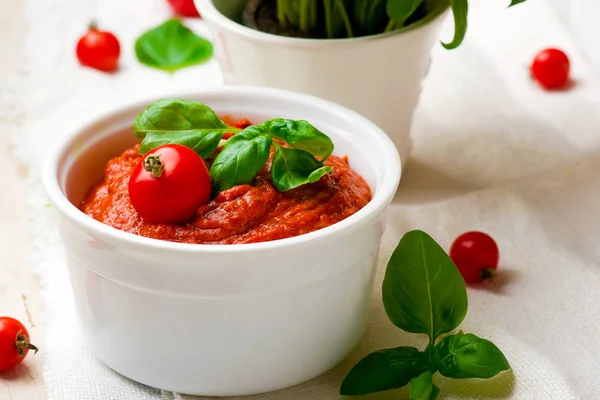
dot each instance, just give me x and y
(551, 68)
(476, 256)
(14, 343)
(99, 50)
(184, 8)
(169, 184)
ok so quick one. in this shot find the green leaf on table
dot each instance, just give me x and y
(423, 292)
(184, 122)
(300, 135)
(384, 370)
(400, 10)
(172, 46)
(515, 2)
(460, 10)
(294, 167)
(422, 387)
(241, 158)
(468, 356)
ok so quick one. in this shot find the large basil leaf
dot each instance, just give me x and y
(422, 387)
(241, 159)
(384, 370)
(400, 10)
(172, 46)
(185, 122)
(423, 292)
(294, 167)
(300, 135)
(468, 356)
(460, 10)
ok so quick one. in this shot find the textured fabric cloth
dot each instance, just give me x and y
(492, 152)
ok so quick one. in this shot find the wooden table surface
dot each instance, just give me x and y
(19, 292)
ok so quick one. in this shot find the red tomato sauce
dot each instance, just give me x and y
(243, 214)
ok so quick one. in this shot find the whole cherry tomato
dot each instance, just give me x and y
(184, 8)
(169, 184)
(476, 256)
(551, 68)
(14, 343)
(99, 50)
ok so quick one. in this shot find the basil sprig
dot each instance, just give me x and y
(196, 126)
(423, 292)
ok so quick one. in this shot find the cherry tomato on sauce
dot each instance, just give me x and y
(184, 8)
(14, 343)
(99, 50)
(169, 184)
(476, 256)
(550, 68)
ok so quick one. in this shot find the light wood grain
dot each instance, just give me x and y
(19, 292)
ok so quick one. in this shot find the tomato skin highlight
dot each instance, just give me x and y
(14, 343)
(476, 256)
(183, 186)
(184, 8)
(550, 68)
(99, 50)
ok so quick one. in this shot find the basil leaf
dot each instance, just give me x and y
(468, 356)
(422, 387)
(384, 370)
(400, 10)
(294, 167)
(184, 122)
(422, 291)
(301, 135)
(202, 142)
(515, 2)
(172, 46)
(241, 159)
(460, 9)
(172, 115)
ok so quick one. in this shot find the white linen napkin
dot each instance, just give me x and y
(492, 152)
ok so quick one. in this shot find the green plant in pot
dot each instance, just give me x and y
(333, 19)
(368, 55)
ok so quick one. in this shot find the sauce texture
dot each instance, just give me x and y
(243, 214)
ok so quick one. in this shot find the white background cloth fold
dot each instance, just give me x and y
(492, 152)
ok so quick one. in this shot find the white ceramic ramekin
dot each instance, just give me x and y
(378, 76)
(222, 320)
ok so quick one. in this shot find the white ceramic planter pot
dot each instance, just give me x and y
(378, 76)
(222, 320)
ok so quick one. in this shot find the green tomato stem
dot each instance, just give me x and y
(22, 344)
(488, 274)
(154, 165)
